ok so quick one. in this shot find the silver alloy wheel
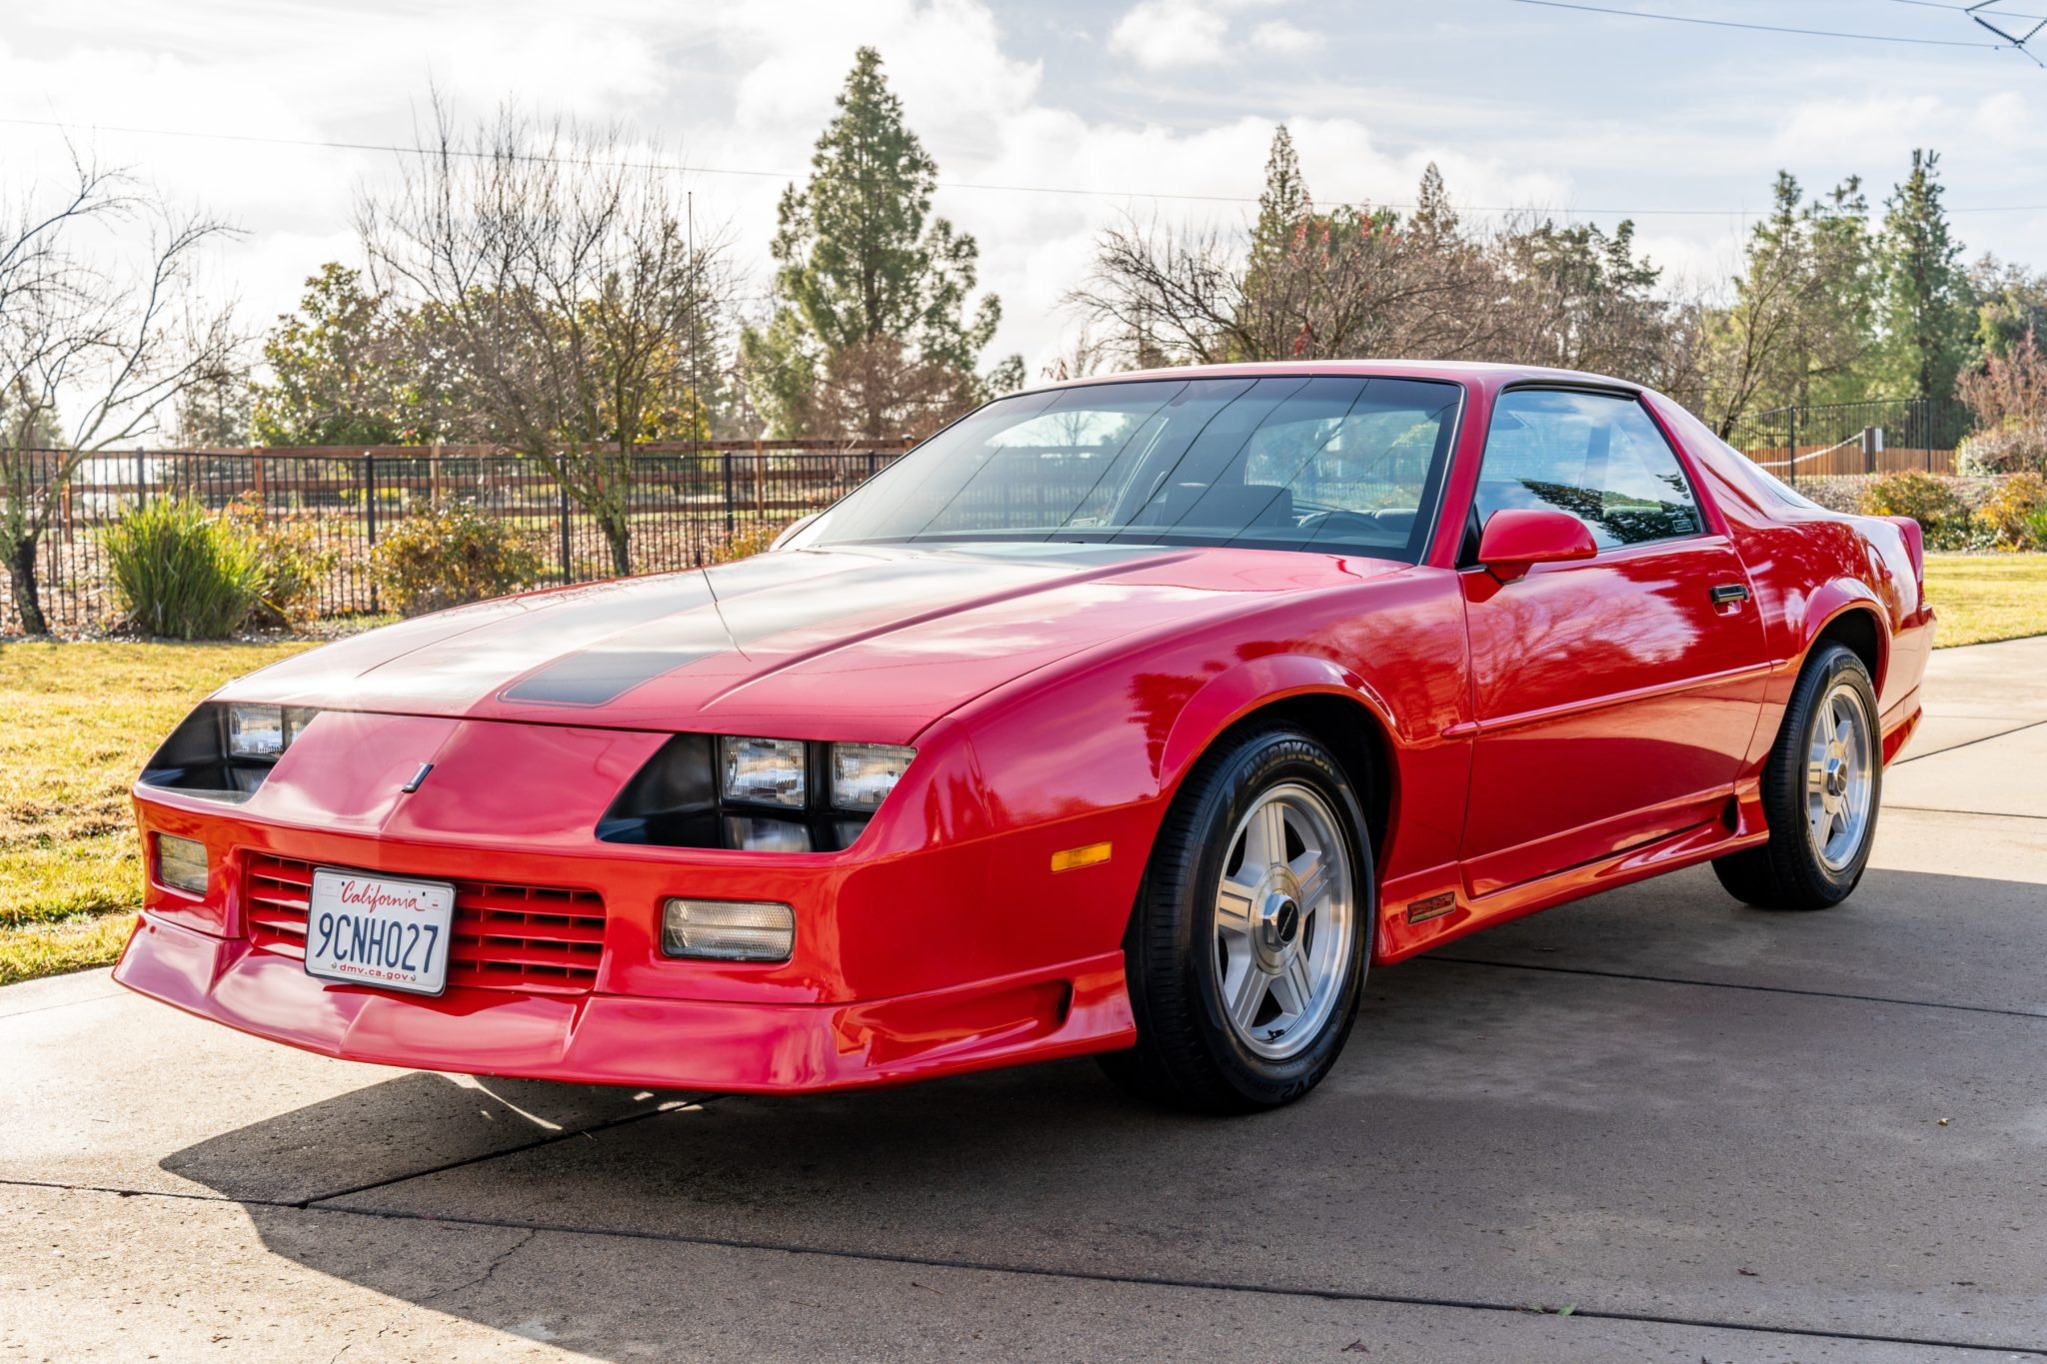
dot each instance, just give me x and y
(1840, 761)
(1283, 920)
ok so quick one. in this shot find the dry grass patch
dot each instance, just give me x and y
(80, 719)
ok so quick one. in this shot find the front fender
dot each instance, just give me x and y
(1228, 696)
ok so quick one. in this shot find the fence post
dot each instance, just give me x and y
(141, 475)
(369, 502)
(1791, 429)
(563, 489)
(728, 494)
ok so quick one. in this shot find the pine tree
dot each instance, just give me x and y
(868, 282)
(1283, 204)
(1433, 221)
(1926, 311)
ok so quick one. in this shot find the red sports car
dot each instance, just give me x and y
(1132, 716)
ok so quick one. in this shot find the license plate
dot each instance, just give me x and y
(376, 930)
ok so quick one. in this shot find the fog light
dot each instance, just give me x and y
(728, 930)
(181, 863)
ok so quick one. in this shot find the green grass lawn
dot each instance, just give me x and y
(1982, 597)
(80, 719)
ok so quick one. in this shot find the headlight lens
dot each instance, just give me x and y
(762, 771)
(264, 731)
(728, 930)
(181, 863)
(255, 731)
(864, 774)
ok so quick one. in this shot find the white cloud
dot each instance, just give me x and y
(1160, 35)
(1282, 39)
(732, 87)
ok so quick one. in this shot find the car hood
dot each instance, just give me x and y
(868, 642)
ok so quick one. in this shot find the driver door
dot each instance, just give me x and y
(1615, 697)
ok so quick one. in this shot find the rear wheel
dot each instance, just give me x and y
(1247, 950)
(1821, 790)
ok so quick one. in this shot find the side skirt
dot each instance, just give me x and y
(1413, 923)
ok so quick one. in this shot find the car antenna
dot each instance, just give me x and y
(696, 395)
(717, 607)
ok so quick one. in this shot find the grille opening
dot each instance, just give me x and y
(506, 936)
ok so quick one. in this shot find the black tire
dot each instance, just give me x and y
(1188, 1054)
(1788, 872)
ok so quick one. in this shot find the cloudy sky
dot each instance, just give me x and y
(1052, 118)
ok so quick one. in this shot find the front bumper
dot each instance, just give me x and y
(647, 1042)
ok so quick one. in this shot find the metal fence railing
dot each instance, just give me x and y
(1827, 440)
(684, 506)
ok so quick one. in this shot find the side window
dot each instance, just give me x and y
(1597, 456)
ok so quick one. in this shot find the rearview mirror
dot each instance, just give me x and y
(1518, 538)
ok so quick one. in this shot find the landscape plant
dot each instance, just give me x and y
(451, 554)
(1935, 501)
(182, 573)
(290, 562)
(2015, 513)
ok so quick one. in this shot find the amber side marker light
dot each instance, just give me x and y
(1091, 855)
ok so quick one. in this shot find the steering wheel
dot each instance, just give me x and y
(1340, 521)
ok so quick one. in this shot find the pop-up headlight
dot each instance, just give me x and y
(751, 794)
(225, 750)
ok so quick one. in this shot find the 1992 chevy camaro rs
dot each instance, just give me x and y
(1133, 716)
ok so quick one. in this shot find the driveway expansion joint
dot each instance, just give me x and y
(1968, 743)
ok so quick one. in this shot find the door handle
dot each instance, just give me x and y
(1727, 594)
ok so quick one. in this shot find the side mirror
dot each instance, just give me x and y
(1516, 539)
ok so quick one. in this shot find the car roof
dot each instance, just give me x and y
(1475, 373)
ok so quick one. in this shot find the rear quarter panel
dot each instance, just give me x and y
(1809, 565)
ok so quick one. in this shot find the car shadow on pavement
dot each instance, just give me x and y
(1502, 1128)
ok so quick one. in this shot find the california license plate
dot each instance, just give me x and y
(375, 930)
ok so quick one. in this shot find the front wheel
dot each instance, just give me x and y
(1247, 950)
(1821, 789)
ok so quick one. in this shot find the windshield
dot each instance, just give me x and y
(1339, 464)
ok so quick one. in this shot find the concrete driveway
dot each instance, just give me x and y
(1655, 1125)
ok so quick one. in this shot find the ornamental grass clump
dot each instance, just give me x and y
(181, 573)
(447, 555)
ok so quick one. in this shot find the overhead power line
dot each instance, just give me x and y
(1765, 28)
(1953, 8)
(680, 168)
